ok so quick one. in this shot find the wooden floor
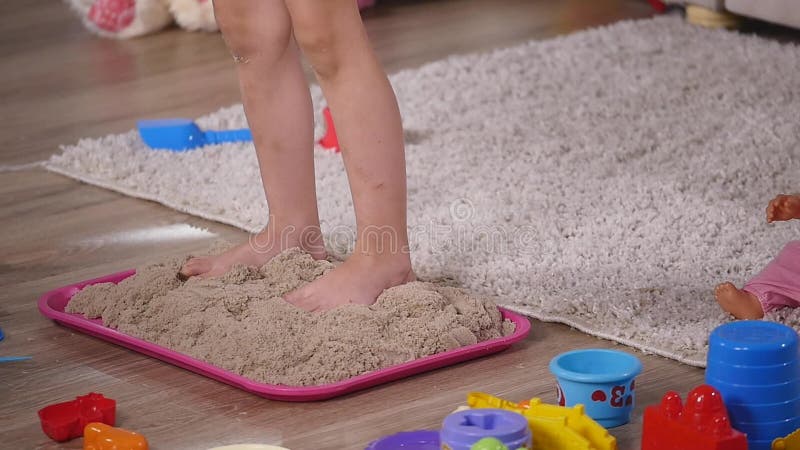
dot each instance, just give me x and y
(59, 84)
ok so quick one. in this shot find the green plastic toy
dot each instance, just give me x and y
(488, 443)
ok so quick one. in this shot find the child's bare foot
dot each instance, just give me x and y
(259, 249)
(741, 304)
(360, 280)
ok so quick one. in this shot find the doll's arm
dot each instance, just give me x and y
(784, 207)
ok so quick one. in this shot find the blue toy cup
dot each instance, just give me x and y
(767, 431)
(754, 394)
(601, 380)
(765, 412)
(759, 445)
(462, 429)
(753, 375)
(752, 343)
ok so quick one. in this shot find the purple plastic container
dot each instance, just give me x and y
(408, 440)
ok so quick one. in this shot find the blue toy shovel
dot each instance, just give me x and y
(179, 135)
(4, 359)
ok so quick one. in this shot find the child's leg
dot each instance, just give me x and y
(278, 107)
(333, 39)
(777, 286)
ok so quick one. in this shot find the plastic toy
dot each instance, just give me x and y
(553, 427)
(5, 359)
(790, 442)
(702, 424)
(778, 284)
(131, 18)
(754, 366)
(462, 429)
(601, 380)
(52, 305)
(248, 447)
(330, 141)
(408, 440)
(64, 421)
(183, 134)
(99, 436)
(488, 444)
(658, 5)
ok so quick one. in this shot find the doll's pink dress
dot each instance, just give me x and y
(778, 285)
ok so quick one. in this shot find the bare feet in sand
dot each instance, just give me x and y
(359, 280)
(741, 304)
(259, 249)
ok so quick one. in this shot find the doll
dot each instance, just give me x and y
(778, 284)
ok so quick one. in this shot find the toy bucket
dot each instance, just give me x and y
(601, 380)
(462, 429)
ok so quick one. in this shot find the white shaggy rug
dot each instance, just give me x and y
(607, 179)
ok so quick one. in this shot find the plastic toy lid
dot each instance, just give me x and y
(753, 343)
(408, 440)
(595, 365)
(474, 424)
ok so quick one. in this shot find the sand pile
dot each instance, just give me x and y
(240, 323)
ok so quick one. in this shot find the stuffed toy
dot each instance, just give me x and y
(130, 18)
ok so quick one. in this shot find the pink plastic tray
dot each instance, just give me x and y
(52, 305)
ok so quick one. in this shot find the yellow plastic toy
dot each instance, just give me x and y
(790, 442)
(553, 427)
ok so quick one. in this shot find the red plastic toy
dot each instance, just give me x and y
(64, 421)
(329, 141)
(658, 5)
(702, 424)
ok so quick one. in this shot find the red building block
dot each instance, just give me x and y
(64, 421)
(702, 424)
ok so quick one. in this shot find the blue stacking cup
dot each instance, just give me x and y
(462, 429)
(763, 431)
(755, 365)
(750, 375)
(756, 394)
(601, 380)
(753, 343)
(754, 444)
(766, 412)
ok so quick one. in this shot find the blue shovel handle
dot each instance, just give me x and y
(221, 137)
(5, 359)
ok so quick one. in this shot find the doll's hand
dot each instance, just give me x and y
(783, 207)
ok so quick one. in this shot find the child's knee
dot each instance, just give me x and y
(253, 37)
(321, 46)
(326, 31)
